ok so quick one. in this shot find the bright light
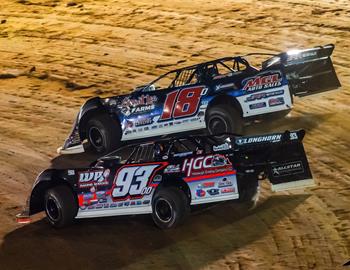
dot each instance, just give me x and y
(293, 52)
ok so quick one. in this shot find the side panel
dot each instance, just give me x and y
(211, 178)
(128, 190)
(162, 112)
(266, 92)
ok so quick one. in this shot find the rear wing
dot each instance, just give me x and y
(281, 156)
(308, 71)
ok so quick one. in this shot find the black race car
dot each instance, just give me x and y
(217, 96)
(166, 177)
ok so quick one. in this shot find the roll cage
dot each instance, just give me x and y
(172, 147)
(199, 73)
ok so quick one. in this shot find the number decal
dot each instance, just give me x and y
(169, 105)
(132, 181)
(182, 103)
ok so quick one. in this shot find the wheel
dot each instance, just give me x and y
(60, 206)
(170, 207)
(248, 196)
(224, 119)
(103, 134)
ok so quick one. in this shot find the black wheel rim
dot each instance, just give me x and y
(96, 137)
(217, 125)
(164, 210)
(52, 209)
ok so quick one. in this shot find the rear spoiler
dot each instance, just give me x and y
(268, 139)
(281, 156)
(294, 57)
(308, 71)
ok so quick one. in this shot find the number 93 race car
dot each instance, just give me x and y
(217, 96)
(167, 177)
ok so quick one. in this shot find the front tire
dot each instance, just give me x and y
(103, 134)
(170, 207)
(224, 119)
(60, 206)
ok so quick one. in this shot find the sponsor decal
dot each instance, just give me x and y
(276, 101)
(183, 154)
(264, 95)
(146, 202)
(228, 190)
(206, 185)
(200, 193)
(92, 197)
(258, 139)
(71, 172)
(112, 102)
(295, 55)
(225, 183)
(257, 105)
(293, 136)
(172, 169)
(262, 82)
(213, 191)
(221, 147)
(157, 178)
(289, 168)
(142, 104)
(225, 86)
(93, 178)
(204, 165)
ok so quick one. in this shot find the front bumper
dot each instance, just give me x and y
(73, 144)
(24, 216)
(71, 150)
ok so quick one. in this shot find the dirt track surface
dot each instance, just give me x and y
(109, 47)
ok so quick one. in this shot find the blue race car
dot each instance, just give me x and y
(217, 96)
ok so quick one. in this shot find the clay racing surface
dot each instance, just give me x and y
(54, 56)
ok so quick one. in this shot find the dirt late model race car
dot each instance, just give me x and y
(218, 96)
(167, 177)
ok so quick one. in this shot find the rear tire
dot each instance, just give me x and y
(248, 197)
(103, 134)
(224, 119)
(60, 206)
(170, 207)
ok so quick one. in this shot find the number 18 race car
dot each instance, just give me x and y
(167, 177)
(216, 96)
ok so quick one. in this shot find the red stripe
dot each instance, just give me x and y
(154, 185)
(208, 176)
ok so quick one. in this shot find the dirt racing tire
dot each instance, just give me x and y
(248, 198)
(170, 207)
(103, 134)
(224, 119)
(60, 206)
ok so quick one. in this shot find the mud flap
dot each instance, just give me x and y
(290, 170)
(308, 71)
